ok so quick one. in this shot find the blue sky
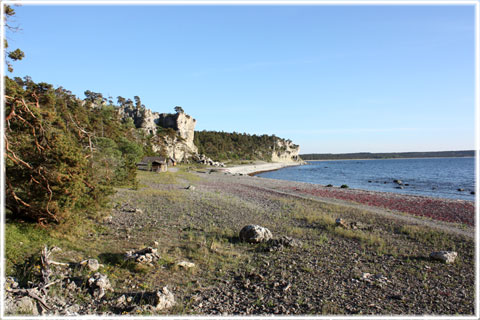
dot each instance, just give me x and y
(331, 78)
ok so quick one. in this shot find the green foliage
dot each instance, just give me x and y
(63, 157)
(16, 54)
(235, 146)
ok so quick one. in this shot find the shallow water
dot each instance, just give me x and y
(434, 177)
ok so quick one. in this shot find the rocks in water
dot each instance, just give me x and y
(146, 255)
(164, 299)
(90, 264)
(399, 187)
(472, 192)
(444, 256)
(344, 186)
(255, 234)
(460, 189)
(186, 264)
(98, 284)
(399, 182)
(369, 181)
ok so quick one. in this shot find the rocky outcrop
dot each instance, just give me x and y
(285, 151)
(178, 146)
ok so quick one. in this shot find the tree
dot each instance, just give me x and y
(121, 100)
(138, 102)
(16, 54)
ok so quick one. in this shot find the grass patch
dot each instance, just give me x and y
(428, 236)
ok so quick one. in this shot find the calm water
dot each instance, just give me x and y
(435, 177)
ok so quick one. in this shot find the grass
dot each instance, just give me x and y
(428, 236)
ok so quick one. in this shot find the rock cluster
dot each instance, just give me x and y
(281, 243)
(203, 159)
(37, 299)
(146, 255)
(255, 234)
(98, 284)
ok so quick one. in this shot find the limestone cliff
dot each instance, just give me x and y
(285, 151)
(179, 145)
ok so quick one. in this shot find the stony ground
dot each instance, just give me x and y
(379, 264)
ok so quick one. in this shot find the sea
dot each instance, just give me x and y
(433, 177)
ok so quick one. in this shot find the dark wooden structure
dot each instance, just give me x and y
(156, 164)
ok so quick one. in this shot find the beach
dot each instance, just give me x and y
(376, 261)
(260, 167)
(378, 264)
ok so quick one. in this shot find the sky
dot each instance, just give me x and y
(333, 79)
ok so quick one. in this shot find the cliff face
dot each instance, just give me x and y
(285, 151)
(179, 146)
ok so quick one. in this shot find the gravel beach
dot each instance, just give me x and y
(333, 251)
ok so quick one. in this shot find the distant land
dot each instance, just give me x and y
(392, 155)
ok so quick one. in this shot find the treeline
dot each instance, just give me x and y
(64, 155)
(235, 146)
(392, 155)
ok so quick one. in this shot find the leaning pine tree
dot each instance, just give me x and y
(47, 172)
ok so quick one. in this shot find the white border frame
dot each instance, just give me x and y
(474, 3)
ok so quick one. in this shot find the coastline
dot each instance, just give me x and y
(253, 169)
(320, 160)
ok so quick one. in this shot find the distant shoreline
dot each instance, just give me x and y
(388, 155)
(390, 158)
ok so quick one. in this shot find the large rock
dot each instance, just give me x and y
(22, 306)
(164, 299)
(444, 256)
(255, 234)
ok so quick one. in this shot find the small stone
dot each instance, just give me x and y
(90, 264)
(190, 188)
(186, 264)
(444, 256)
(121, 301)
(138, 211)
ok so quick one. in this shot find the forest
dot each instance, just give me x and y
(235, 146)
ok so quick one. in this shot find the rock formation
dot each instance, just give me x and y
(179, 146)
(285, 151)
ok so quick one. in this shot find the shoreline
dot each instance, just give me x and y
(253, 169)
(319, 160)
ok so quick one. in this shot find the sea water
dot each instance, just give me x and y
(434, 177)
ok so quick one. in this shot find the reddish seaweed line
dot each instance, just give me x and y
(439, 209)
